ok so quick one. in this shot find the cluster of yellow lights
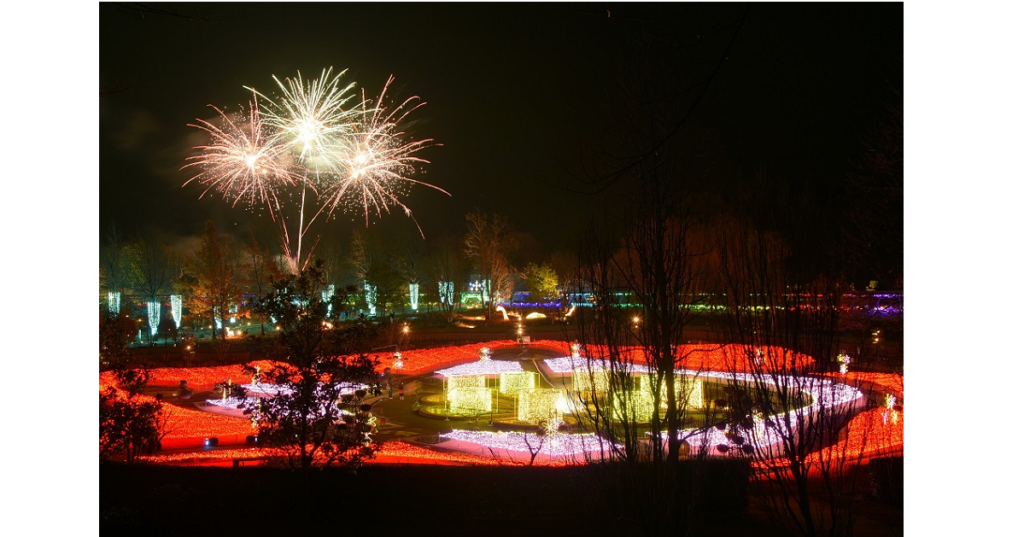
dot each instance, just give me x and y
(633, 406)
(692, 393)
(585, 382)
(689, 391)
(540, 404)
(468, 394)
(469, 400)
(466, 381)
(513, 383)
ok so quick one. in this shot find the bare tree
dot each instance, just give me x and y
(153, 267)
(446, 266)
(787, 417)
(643, 265)
(488, 242)
(262, 273)
(115, 263)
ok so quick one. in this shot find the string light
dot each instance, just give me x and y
(414, 295)
(468, 400)
(328, 297)
(540, 404)
(114, 302)
(153, 310)
(483, 367)
(176, 310)
(844, 363)
(446, 291)
(512, 383)
(466, 381)
(371, 297)
(560, 445)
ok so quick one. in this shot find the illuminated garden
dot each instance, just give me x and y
(542, 410)
(606, 282)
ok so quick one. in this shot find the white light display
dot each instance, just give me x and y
(371, 297)
(399, 364)
(273, 390)
(690, 392)
(632, 406)
(844, 363)
(824, 394)
(176, 310)
(328, 297)
(483, 367)
(513, 383)
(469, 400)
(230, 403)
(414, 295)
(567, 364)
(114, 302)
(485, 353)
(540, 404)
(559, 445)
(446, 291)
(483, 287)
(153, 311)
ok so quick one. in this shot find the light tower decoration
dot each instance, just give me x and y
(890, 413)
(398, 360)
(328, 297)
(176, 310)
(844, 363)
(485, 353)
(153, 311)
(371, 297)
(414, 295)
(446, 290)
(114, 302)
(574, 348)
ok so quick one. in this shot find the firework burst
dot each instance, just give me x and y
(352, 155)
(241, 162)
(311, 116)
(379, 162)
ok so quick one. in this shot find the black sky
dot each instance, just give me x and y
(518, 94)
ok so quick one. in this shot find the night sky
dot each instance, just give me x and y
(520, 95)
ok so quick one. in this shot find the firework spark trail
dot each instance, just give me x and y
(241, 163)
(379, 162)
